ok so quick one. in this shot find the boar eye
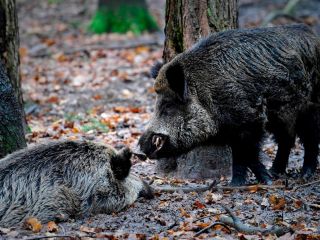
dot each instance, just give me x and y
(176, 81)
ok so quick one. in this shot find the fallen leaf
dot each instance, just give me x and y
(120, 109)
(23, 52)
(49, 42)
(183, 213)
(277, 203)
(253, 188)
(90, 229)
(53, 99)
(198, 204)
(97, 97)
(33, 224)
(52, 227)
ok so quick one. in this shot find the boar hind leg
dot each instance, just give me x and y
(309, 133)
(57, 204)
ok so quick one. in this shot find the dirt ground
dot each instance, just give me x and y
(97, 87)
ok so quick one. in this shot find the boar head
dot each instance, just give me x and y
(181, 120)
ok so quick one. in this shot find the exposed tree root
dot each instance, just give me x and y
(236, 223)
(211, 226)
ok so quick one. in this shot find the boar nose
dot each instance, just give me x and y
(151, 143)
(146, 191)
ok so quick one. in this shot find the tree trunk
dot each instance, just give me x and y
(12, 119)
(122, 16)
(187, 21)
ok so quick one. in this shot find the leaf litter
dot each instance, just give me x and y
(78, 87)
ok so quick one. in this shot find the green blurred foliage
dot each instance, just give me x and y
(123, 19)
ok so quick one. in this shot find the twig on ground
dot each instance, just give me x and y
(184, 189)
(172, 225)
(211, 226)
(59, 236)
(305, 185)
(285, 12)
(235, 222)
(248, 188)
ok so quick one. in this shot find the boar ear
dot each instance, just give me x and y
(155, 69)
(177, 81)
(121, 164)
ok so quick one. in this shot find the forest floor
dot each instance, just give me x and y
(97, 87)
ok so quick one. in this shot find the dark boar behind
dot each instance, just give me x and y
(231, 87)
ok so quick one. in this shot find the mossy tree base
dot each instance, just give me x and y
(122, 16)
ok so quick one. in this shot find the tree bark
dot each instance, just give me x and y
(12, 119)
(187, 21)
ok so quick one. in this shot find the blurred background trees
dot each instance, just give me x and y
(122, 16)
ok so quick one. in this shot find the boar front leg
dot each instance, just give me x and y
(245, 154)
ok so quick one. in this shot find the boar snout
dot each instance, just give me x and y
(146, 192)
(152, 143)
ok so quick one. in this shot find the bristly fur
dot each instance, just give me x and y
(70, 179)
(239, 84)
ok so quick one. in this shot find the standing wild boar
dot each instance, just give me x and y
(62, 180)
(232, 86)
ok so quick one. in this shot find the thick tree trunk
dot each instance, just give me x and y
(187, 21)
(11, 103)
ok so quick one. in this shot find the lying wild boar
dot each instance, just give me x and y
(62, 180)
(233, 85)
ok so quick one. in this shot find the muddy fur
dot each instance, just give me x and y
(231, 87)
(62, 180)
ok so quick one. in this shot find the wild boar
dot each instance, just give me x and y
(69, 179)
(231, 87)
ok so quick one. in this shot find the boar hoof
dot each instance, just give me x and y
(265, 177)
